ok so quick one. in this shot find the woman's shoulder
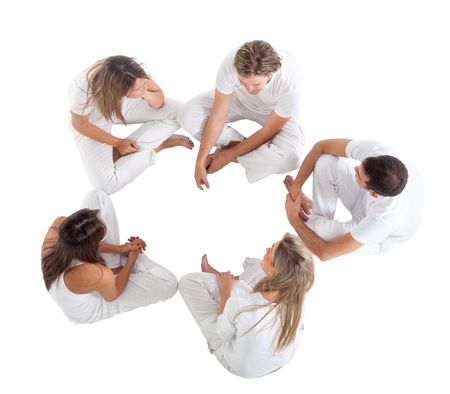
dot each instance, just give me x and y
(85, 276)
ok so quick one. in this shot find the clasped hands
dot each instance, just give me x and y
(134, 245)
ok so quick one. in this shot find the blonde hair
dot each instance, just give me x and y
(256, 58)
(292, 277)
(109, 80)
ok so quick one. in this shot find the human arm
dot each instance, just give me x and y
(324, 250)
(134, 243)
(273, 125)
(225, 281)
(213, 128)
(82, 124)
(51, 238)
(110, 286)
(154, 94)
(335, 147)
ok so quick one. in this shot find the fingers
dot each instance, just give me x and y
(202, 182)
(225, 275)
(137, 243)
(302, 215)
(305, 209)
(199, 183)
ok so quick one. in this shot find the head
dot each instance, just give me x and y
(382, 175)
(255, 62)
(290, 272)
(79, 238)
(111, 79)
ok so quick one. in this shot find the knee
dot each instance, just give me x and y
(172, 107)
(107, 188)
(95, 198)
(107, 184)
(190, 117)
(292, 161)
(185, 283)
(289, 161)
(324, 163)
(184, 116)
(171, 286)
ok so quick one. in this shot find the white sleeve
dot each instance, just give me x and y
(362, 149)
(227, 78)
(226, 327)
(78, 95)
(378, 223)
(253, 272)
(288, 104)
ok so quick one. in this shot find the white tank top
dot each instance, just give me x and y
(79, 308)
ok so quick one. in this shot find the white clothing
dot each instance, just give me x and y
(97, 157)
(148, 282)
(243, 351)
(282, 95)
(378, 223)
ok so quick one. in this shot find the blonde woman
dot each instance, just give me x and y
(117, 90)
(252, 323)
(90, 274)
(257, 83)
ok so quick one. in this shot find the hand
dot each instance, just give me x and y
(225, 281)
(138, 243)
(294, 210)
(126, 146)
(219, 159)
(200, 175)
(134, 244)
(307, 203)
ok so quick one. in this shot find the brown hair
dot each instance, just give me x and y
(387, 175)
(109, 80)
(256, 58)
(292, 277)
(78, 238)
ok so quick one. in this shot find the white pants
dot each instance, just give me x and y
(281, 155)
(148, 282)
(333, 178)
(97, 157)
(200, 292)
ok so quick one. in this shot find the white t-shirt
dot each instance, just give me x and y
(252, 354)
(281, 94)
(388, 220)
(78, 96)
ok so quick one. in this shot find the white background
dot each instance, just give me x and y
(370, 69)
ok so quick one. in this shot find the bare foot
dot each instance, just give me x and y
(176, 140)
(206, 267)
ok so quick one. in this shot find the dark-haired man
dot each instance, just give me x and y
(383, 195)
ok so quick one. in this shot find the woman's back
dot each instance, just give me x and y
(79, 307)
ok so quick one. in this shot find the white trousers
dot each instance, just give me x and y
(333, 178)
(200, 292)
(97, 157)
(148, 282)
(281, 155)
